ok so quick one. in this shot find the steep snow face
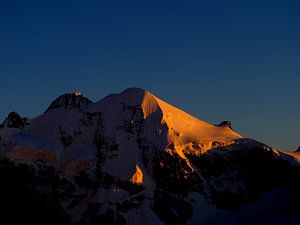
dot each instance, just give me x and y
(185, 129)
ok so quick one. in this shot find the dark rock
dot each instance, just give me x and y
(298, 149)
(32, 194)
(226, 124)
(14, 120)
(70, 101)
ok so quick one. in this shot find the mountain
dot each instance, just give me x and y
(132, 158)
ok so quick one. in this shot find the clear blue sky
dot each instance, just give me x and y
(236, 60)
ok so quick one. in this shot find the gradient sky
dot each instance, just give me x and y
(236, 60)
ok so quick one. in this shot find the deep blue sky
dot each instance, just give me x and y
(235, 60)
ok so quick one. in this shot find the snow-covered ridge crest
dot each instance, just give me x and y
(142, 97)
(176, 118)
(184, 131)
(135, 97)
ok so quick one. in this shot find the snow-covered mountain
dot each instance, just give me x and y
(132, 158)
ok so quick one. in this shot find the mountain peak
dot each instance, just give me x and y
(135, 95)
(14, 120)
(226, 124)
(135, 90)
(70, 101)
(131, 97)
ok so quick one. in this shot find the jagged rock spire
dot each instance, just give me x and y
(14, 120)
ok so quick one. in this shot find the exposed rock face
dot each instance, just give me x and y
(70, 101)
(14, 120)
(226, 124)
